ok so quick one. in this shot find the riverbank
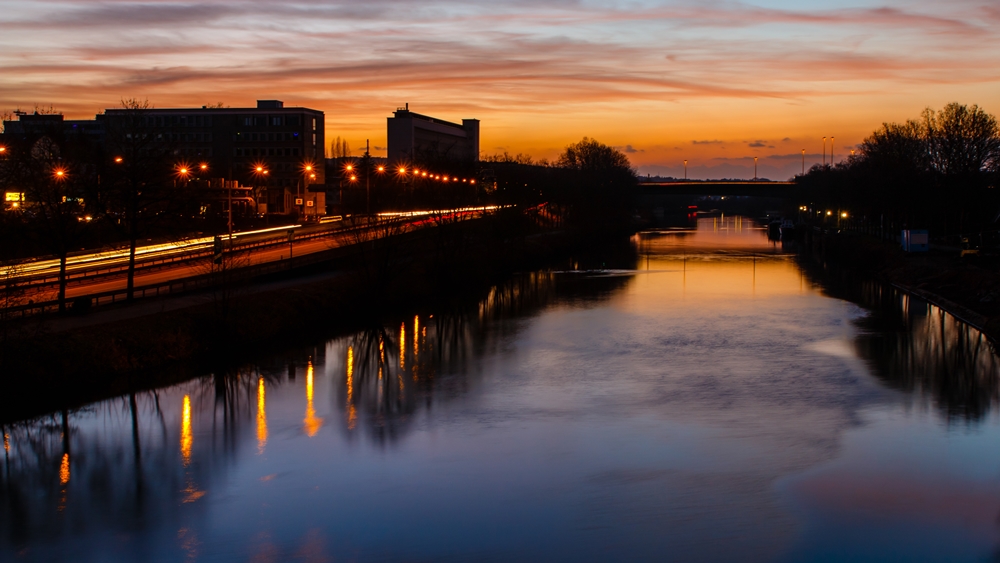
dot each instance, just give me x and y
(968, 288)
(65, 363)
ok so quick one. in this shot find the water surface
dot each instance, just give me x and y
(710, 402)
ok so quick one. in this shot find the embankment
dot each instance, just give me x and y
(968, 288)
(46, 368)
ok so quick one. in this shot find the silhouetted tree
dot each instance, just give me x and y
(602, 194)
(141, 177)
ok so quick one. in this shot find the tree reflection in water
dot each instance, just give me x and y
(919, 348)
(119, 467)
(388, 372)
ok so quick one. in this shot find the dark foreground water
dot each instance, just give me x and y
(709, 404)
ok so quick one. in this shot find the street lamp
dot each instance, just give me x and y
(307, 170)
(824, 151)
(755, 169)
(685, 170)
(831, 151)
(803, 162)
(259, 173)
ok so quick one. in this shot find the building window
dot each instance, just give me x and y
(314, 124)
(295, 152)
(314, 139)
(276, 120)
(248, 122)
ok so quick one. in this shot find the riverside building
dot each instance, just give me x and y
(420, 139)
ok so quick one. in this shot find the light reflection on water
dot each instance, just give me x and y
(711, 404)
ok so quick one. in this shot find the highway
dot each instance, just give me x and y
(105, 272)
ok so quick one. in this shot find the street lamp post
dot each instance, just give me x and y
(755, 169)
(803, 162)
(685, 169)
(831, 151)
(824, 151)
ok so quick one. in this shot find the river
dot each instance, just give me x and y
(706, 400)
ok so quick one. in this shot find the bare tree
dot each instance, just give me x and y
(141, 175)
(962, 140)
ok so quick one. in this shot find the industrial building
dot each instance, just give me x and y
(419, 139)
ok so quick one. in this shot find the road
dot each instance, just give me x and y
(106, 272)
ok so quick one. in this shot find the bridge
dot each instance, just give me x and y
(720, 188)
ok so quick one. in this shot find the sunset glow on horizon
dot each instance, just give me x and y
(715, 83)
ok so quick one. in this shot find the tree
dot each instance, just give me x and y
(601, 196)
(141, 174)
(962, 140)
(340, 148)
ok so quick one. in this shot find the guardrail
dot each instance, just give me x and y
(151, 264)
(204, 281)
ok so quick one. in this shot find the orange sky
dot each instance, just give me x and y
(715, 82)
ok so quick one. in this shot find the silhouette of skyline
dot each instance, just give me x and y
(716, 84)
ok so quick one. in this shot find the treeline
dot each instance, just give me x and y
(592, 185)
(938, 172)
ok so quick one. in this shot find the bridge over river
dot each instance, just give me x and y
(783, 190)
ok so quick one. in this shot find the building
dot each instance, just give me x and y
(418, 139)
(278, 150)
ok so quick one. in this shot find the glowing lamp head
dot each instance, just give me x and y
(402, 170)
(260, 169)
(60, 173)
(843, 215)
(353, 177)
(118, 159)
(381, 168)
(309, 167)
(183, 170)
(472, 181)
(424, 174)
(349, 168)
(312, 176)
(204, 167)
(828, 213)
(3, 150)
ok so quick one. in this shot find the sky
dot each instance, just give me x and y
(716, 83)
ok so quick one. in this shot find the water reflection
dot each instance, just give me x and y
(918, 347)
(578, 414)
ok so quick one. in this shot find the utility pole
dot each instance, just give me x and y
(368, 191)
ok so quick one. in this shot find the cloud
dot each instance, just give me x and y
(629, 149)
(707, 142)
(758, 144)
(786, 139)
